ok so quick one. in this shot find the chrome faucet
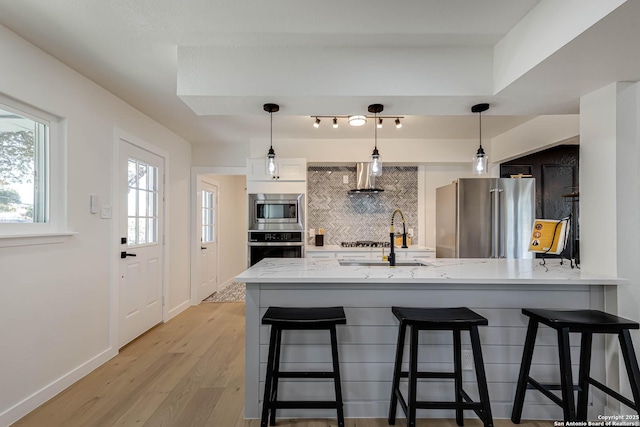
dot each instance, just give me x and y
(392, 254)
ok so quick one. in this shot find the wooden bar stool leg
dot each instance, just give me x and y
(276, 370)
(481, 376)
(457, 369)
(266, 402)
(631, 362)
(397, 368)
(583, 375)
(525, 366)
(413, 376)
(336, 372)
(566, 378)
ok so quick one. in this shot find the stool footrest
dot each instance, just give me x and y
(448, 405)
(329, 375)
(429, 374)
(613, 393)
(469, 404)
(305, 404)
(546, 390)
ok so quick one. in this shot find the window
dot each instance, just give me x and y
(32, 185)
(24, 168)
(142, 203)
(208, 216)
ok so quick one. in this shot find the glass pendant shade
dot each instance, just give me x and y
(480, 162)
(271, 166)
(376, 163)
(272, 163)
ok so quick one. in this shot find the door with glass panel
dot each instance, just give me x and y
(141, 246)
(208, 233)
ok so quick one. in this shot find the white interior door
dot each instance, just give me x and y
(208, 234)
(141, 190)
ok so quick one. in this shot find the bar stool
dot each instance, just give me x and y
(300, 318)
(439, 319)
(587, 323)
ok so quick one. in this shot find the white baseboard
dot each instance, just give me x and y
(226, 283)
(177, 310)
(30, 403)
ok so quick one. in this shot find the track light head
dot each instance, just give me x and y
(335, 123)
(398, 124)
(316, 124)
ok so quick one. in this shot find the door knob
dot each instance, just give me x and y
(123, 254)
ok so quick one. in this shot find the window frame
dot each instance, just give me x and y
(209, 212)
(55, 195)
(152, 212)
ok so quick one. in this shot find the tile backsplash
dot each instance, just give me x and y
(352, 217)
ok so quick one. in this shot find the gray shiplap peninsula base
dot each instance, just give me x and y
(496, 289)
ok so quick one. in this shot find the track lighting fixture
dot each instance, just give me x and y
(376, 163)
(272, 162)
(480, 160)
(357, 120)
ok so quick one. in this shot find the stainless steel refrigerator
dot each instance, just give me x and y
(485, 218)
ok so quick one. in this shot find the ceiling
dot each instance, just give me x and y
(204, 68)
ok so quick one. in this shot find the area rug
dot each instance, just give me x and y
(235, 292)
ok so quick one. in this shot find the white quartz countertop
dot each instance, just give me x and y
(441, 270)
(338, 248)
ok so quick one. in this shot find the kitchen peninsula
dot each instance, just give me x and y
(496, 288)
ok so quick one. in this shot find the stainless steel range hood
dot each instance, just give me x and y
(365, 182)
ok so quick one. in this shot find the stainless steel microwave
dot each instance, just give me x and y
(276, 211)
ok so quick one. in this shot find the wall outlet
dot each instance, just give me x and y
(345, 179)
(312, 232)
(467, 360)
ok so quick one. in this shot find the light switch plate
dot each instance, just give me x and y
(345, 179)
(94, 204)
(105, 213)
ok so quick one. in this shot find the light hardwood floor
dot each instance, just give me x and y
(188, 372)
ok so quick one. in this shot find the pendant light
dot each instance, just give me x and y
(480, 160)
(376, 163)
(272, 162)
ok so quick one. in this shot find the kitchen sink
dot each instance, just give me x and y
(380, 263)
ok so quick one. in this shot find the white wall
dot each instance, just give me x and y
(598, 252)
(54, 299)
(349, 151)
(542, 32)
(537, 134)
(610, 204)
(220, 155)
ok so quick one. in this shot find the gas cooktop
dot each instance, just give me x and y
(365, 244)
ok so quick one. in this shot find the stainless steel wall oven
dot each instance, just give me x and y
(276, 244)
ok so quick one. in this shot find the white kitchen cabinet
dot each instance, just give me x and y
(320, 254)
(292, 169)
(370, 253)
(355, 254)
(415, 254)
